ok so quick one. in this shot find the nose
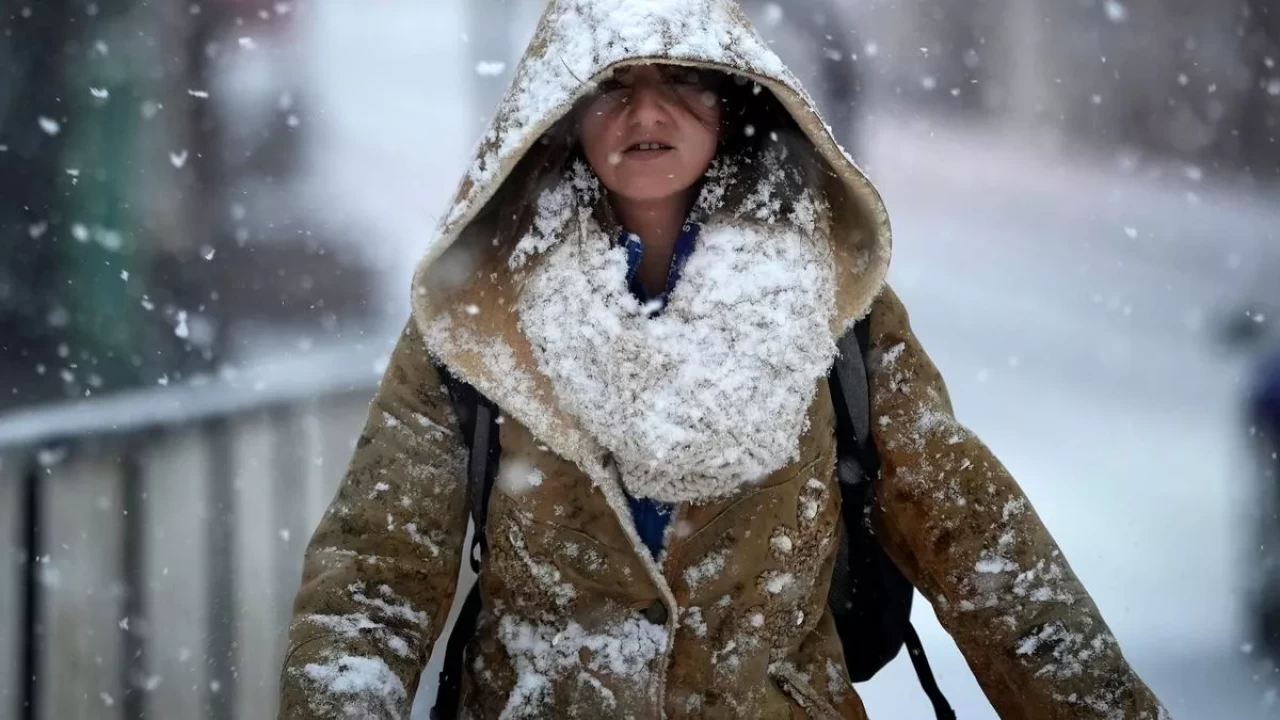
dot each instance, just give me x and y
(648, 105)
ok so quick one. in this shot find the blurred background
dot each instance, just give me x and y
(209, 212)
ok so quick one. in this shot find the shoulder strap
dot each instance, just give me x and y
(478, 422)
(850, 393)
(481, 469)
(851, 396)
(478, 419)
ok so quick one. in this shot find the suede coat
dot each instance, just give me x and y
(730, 621)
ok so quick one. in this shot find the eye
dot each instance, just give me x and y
(692, 78)
(612, 88)
(682, 77)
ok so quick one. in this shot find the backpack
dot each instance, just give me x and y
(870, 598)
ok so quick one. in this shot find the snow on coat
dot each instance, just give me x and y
(731, 621)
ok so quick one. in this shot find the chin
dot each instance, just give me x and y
(648, 191)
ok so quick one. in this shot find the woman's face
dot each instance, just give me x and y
(651, 131)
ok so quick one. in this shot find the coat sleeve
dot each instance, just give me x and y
(959, 526)
(380, 572)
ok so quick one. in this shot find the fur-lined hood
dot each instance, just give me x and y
(464, 295)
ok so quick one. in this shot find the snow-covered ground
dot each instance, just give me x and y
(1068, 298)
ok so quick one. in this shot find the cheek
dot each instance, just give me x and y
(593, 133)
(705, 131)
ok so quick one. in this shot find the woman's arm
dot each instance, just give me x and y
(959, 526)
(380, 572)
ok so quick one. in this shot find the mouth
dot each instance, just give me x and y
(648, 149)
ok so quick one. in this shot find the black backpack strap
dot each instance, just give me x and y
(859, 469)
(478, 422)
(915, 650)
(850, 393)
(481, 469)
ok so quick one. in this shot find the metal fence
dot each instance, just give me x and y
(151, 542)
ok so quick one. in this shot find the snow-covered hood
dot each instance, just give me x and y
(464, 295)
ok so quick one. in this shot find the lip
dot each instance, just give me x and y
(645, 155)
(632, 153)
(634, 145)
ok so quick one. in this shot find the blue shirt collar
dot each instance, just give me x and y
(685, 245)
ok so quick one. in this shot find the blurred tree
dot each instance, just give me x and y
(1259, 128)
(142, 212)
(39, 292)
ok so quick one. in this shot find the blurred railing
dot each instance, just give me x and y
(152, 540)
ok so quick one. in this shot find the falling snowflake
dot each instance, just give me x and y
(49, 457)
(1116, 12)
(108, 239)
(100, 93)
(182, 331)
(1131, 232)
(178, 159)
(247, 43)
(198, 93)
(490, 69)
(773, 13)
(49, 125)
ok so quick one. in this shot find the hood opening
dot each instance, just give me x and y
(755, 124)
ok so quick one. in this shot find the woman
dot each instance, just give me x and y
(647, 269)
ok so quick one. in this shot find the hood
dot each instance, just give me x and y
(464, 295)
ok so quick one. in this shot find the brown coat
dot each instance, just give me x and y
(565, 576)
(579, 620)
